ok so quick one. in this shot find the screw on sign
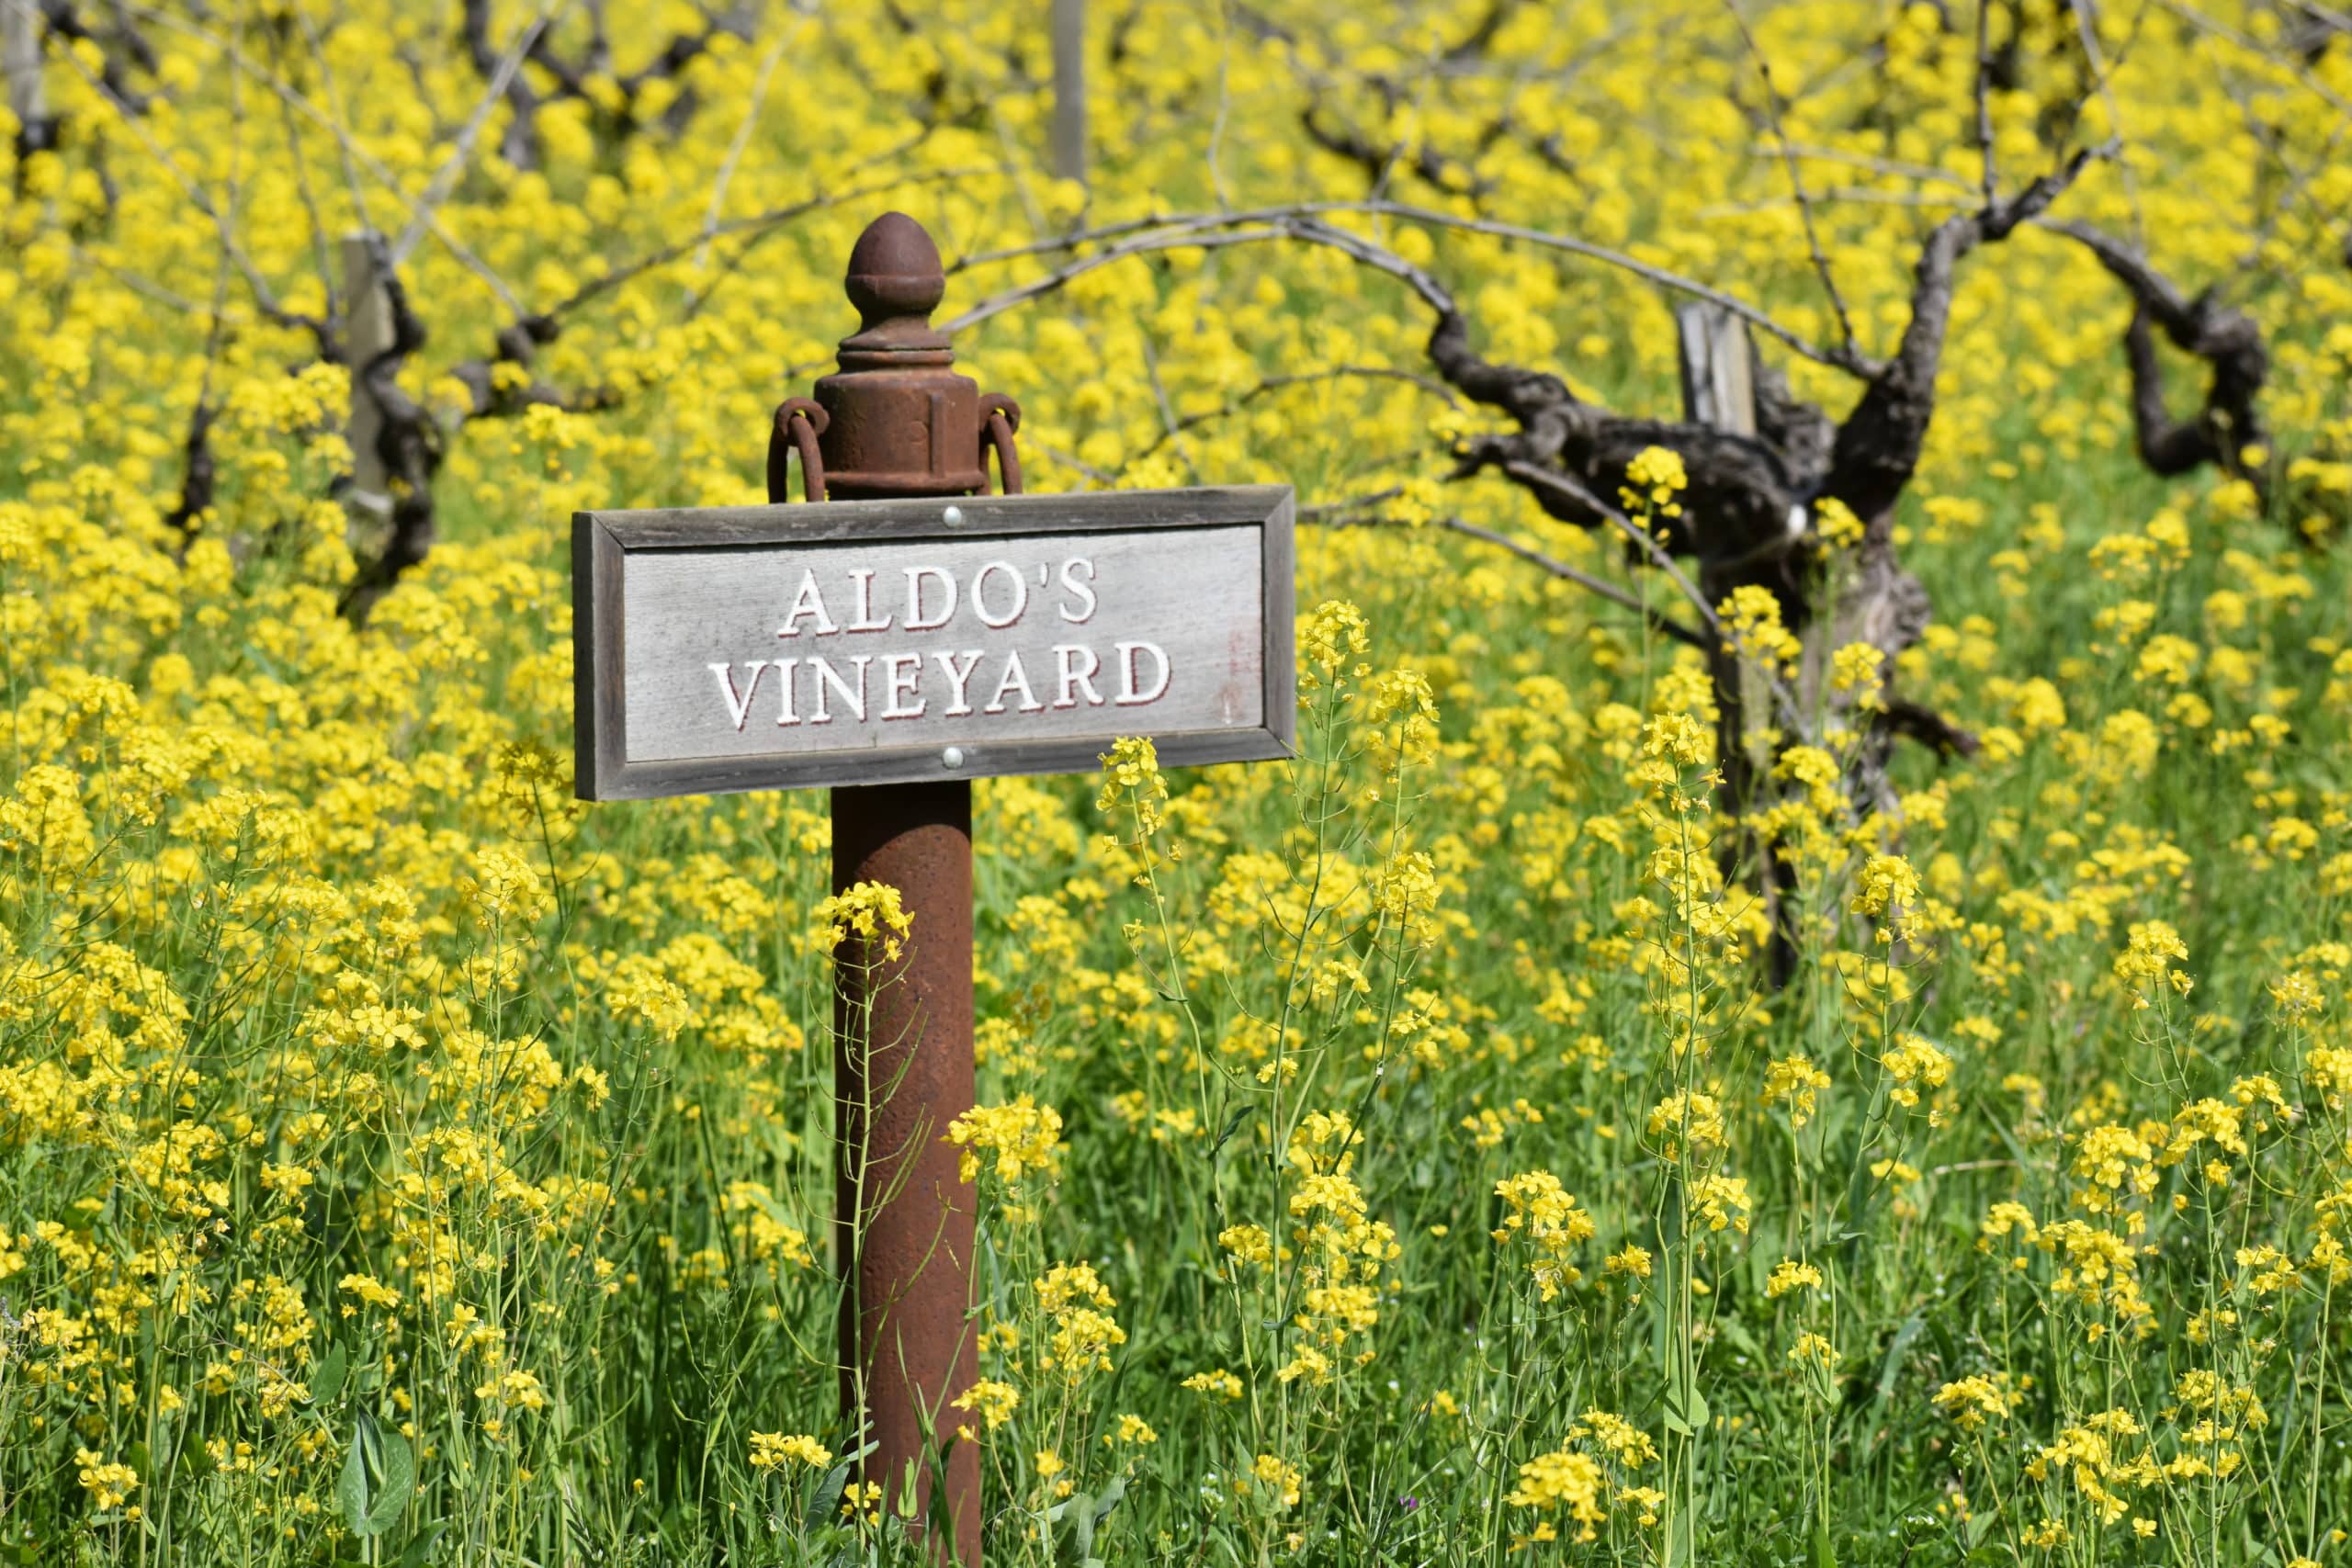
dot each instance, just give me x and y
(899, 637)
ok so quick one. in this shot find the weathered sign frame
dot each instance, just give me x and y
(602, 541)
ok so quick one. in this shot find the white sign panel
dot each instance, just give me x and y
(880, 641)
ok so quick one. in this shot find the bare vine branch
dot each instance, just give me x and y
(1772, 105)
(768, 63)
(1991, 188)
(1309, 378)
(1666, 624)
(437, 189)
(264, 298)
(1140, 235)
(2229, 424)
(1878, 444)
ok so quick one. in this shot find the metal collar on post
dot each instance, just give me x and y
(902, 421)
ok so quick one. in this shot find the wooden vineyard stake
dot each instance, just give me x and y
(368, 311)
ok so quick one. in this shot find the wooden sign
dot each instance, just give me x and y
(865, 642)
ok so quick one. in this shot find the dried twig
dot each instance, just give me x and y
(1069, 460)
(2299, 189)
(138, 283)
(1324, 510)
(2087, 30)
(1307, 378)
(264, 298)
(64, 19)
(520, 146)
(436, 189)
(1562, 570)
(1796, 178)
(1878, 445)
(1170, 429)
(1666, 623)
(321, 255)
(1913, 720)
(1360, 510)
(1139, 236)
(1985, 97)
(768, 63)
(1379, 164)
(1536, 477)
(1894, 168)
(199, 471)
(2223, 30)
(758, 225)
(357, 159)
(354, 157)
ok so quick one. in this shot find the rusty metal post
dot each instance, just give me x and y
(904, 1224)
(897, 422)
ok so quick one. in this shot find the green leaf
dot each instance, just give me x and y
(1240, 1114)
(1687, 1413)
(1896, 1350)
(419, 1550)
(326, 1378)
(1078, 1544)
(1679, 1553)
(351, 1486)
(826, 1500)
(1824, 1550)
(909, 1500)
(367, 1437)
(1686, 1407)
(397, 1483)
(1085, 1516)
(1947, 1348)
(379, 1477)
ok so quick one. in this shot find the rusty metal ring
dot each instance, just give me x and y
(798, 422)
(812, 462)
(1000, 419)
(997, 402)
(997, 436)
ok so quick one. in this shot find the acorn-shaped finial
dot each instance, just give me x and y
(894, 273)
